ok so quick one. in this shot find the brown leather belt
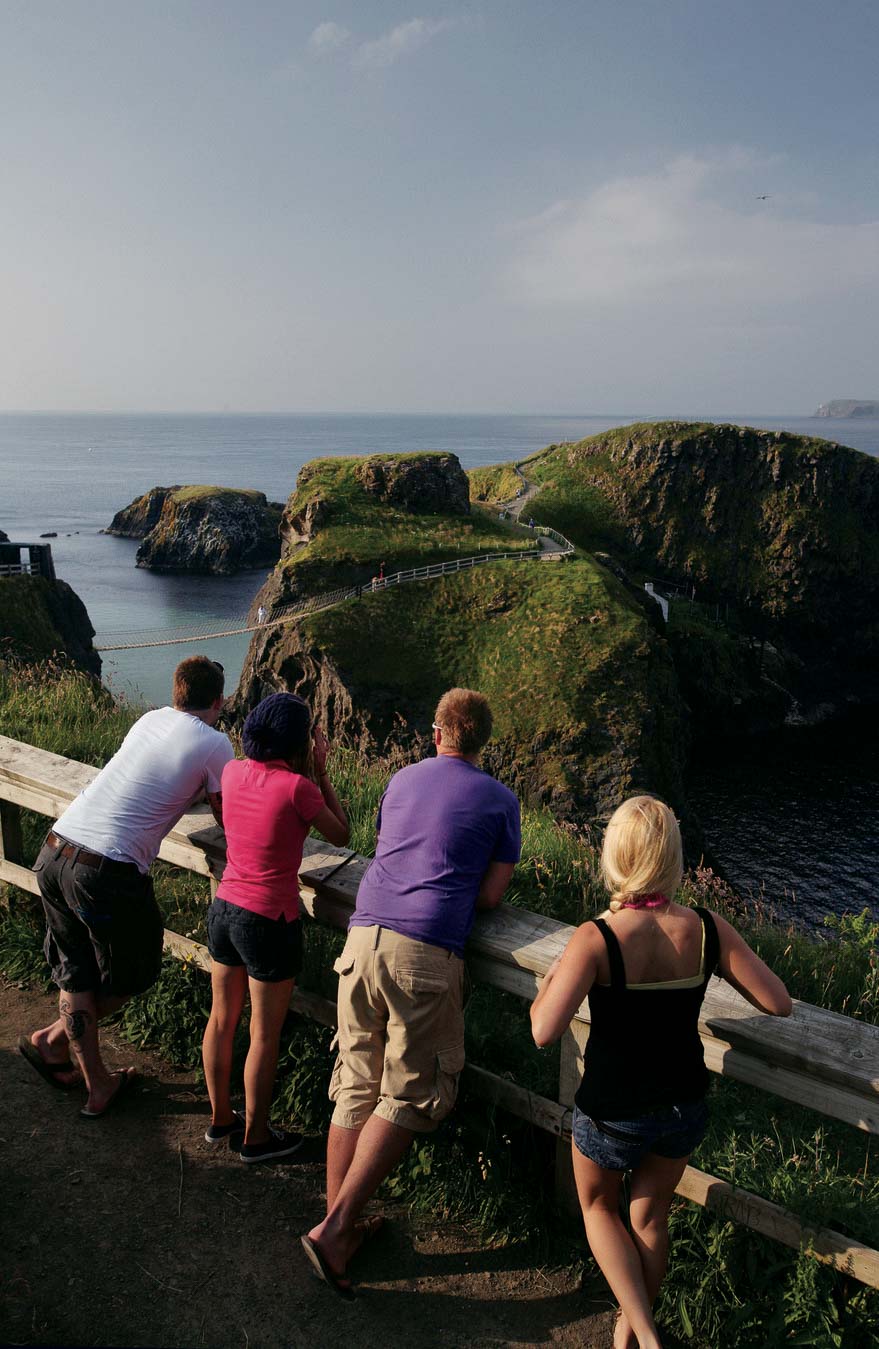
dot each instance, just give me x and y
(63, 848)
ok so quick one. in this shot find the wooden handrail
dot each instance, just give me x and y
(817, 1058)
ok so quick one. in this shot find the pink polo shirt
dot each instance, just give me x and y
(267, 813)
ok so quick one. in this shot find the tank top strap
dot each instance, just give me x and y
(614, 954)
(712, 942)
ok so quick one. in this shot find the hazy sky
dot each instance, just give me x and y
(541, 206)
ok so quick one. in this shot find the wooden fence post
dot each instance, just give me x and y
(11, 845)
(570, 1072)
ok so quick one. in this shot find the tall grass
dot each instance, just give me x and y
(726, 1286)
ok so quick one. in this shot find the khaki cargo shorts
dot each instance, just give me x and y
(401, 1031)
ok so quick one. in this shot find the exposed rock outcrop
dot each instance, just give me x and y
(42, 619)
(206, 530)
(427, 483)
(136, 520)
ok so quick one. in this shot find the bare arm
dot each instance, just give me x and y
(748, 974)
(565, 985)
(494, 884)
(331, 822)
(215, 801)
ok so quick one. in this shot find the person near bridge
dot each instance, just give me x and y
(448, 840)
(104, 937)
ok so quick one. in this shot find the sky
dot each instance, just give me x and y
(538, 206)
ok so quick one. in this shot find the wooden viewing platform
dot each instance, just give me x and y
(817, 1058)
(38, 561)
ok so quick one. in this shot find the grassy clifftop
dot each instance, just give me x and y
(581, 684)
(350, 515)
(785, 524)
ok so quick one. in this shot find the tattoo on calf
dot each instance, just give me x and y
(76, 1023)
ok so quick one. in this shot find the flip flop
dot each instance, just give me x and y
(47, 1071)
(323, 1271)
(125, 1082)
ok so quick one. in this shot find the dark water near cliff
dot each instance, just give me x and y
(71, 473)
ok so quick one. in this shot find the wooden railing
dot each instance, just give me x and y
(816, 1058)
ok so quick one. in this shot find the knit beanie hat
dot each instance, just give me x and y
(277, 728)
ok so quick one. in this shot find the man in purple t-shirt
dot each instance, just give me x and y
(448, 842)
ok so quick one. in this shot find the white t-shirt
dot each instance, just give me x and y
(164, 763)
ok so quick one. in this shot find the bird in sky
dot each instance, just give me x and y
(765, 197)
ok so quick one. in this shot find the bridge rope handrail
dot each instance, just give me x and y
(110, 640)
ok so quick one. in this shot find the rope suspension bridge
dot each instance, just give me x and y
(551, 547)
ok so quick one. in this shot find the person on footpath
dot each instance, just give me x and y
(640, 1108)
(270, 801)
(104, 928)
(448, 840)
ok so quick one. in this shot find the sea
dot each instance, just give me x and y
(791, 819)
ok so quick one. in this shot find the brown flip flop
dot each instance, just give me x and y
(48, 1071)
(126, 1081)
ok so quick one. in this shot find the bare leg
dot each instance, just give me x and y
(268, 1007)
(599, 1193)
(229, 987)
(653, 1187)
(52, 1044)
(341, 1146)
(79, 1013)
(380, 1145)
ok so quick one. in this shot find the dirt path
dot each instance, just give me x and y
(133, 1231)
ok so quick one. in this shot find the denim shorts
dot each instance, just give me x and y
(620, 1145)
(270, 949)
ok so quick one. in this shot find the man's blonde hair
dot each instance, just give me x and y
(464, 717)
(641, 853)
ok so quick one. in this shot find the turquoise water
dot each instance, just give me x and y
(71, 473)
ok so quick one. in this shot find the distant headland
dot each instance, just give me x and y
(849, 407)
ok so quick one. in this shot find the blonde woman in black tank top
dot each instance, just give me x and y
(644, 965)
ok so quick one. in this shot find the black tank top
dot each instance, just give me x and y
(644, 1050)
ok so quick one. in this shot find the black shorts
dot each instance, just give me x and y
(104, 927)
(270, 949)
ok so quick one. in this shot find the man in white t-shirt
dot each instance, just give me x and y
(104, 938)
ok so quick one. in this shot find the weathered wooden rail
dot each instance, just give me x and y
(816, 1058)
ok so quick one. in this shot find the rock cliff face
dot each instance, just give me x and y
(136, 520)
(780, 532)
(428, 484)
(207, 530)
(779, 524)
(42, 619)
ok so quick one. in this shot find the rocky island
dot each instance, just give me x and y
(849, 407)
(579, 676)
(205, 530)
(776, 534)
(768, 544)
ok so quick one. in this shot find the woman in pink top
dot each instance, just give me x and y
(254, 929)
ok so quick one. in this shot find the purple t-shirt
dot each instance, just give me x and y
(441, 822)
